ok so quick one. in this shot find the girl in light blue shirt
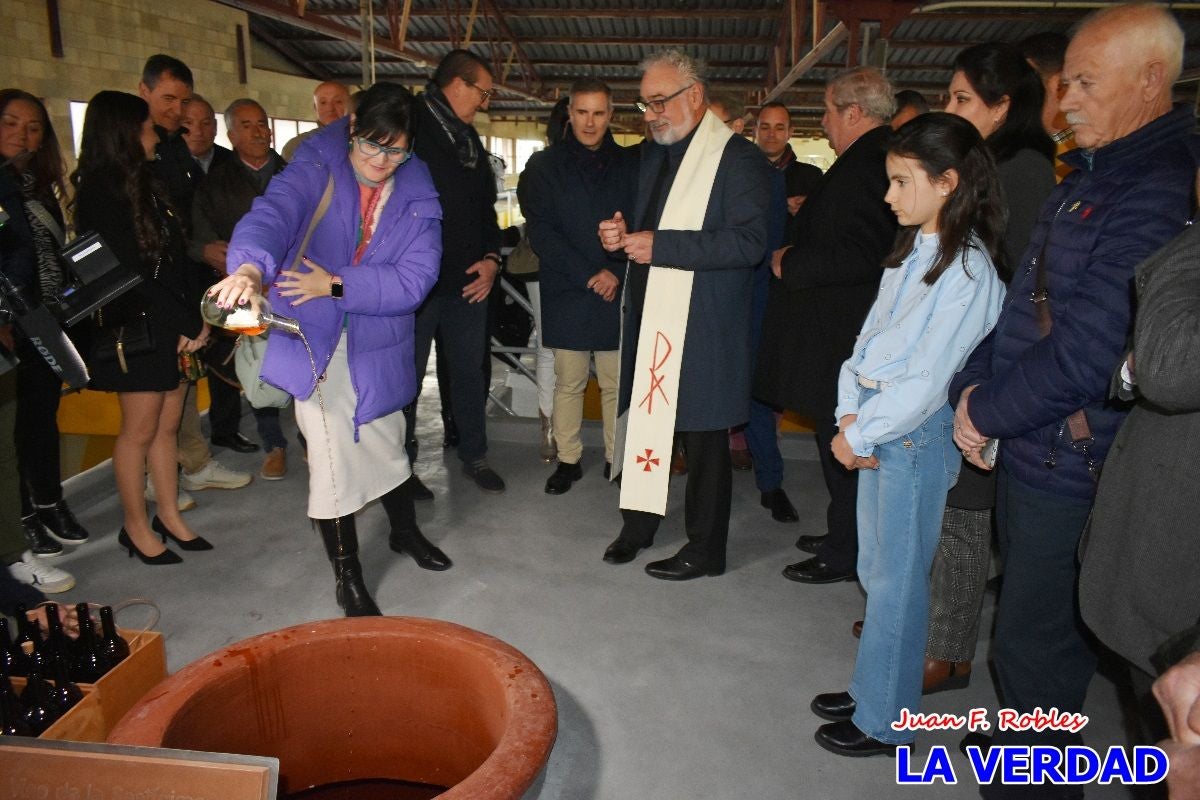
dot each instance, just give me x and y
(940, 297)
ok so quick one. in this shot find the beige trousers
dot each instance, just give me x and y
(570, 382)
(194, 452)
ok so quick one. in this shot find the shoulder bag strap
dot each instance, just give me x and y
(38, 210)
(322, 207)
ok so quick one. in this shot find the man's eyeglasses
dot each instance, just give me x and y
(659, 106)
(487, 93)
(371, 149)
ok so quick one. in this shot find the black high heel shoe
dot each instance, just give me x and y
(199, 543)
(165, 557)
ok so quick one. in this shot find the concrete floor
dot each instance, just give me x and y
(676, 691)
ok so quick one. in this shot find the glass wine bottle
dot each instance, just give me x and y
(251, 318)
(40, 708)
(26, 631)
(56, 645)
(12, 658)
(65, 693)
(29, 640)
(90, 662)
(112, 645)
(12, 720)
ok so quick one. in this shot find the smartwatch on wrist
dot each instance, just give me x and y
(335, 287)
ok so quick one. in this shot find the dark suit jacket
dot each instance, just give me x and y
(1141, 557)
(219, 157)
(223, 198)
(714, 381)
(468, 198)
(830, 279)
(562, 211)
(178, 172)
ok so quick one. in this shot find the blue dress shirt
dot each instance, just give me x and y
(915, 338)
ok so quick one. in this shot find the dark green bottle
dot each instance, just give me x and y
(112, 645)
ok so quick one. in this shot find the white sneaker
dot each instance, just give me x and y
(185, 500)
(39, 575)
(213, 476)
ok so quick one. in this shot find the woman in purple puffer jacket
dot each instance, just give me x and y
(371, 260)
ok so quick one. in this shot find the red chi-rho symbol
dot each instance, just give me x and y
(656, 380)
(648, 460)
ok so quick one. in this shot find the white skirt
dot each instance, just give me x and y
(345, 475)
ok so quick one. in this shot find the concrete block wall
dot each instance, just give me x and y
(106, 42)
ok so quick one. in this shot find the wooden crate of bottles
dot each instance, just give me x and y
(110, 698)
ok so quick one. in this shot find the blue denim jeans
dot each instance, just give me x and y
(899, 522)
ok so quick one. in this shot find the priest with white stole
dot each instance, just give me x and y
(693, 240)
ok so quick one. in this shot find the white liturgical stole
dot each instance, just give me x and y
(644, 451)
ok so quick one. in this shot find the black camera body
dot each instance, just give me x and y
(95, 277)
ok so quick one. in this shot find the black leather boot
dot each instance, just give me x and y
(341, 545)
(411, 447)
(406, 537)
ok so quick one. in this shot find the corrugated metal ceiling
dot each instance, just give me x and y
(562, 40)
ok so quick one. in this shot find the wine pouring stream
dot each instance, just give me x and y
(253, 318)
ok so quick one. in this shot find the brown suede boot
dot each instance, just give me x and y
(944, 676)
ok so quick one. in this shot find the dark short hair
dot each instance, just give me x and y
(590, 86)
(777, 104)
(159, 64)
(459, 64)
(997, 70)
(1046, 50)
(384, 114)
(199, 98)
(909, 98)
(556, 124)
(730, 102)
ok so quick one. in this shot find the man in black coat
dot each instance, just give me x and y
(445, 140)
(829, 278)
(714, 377)
(565, 191)
(225, 406)
(166, 86)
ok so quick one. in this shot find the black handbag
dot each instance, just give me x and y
(132, 338)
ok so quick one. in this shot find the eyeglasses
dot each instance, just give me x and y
(371, 149)
(487, 93)
(659, 106)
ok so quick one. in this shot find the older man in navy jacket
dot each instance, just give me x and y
(1039, 382)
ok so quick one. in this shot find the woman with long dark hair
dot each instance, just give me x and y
(137, 338)
(939, 297)
(371, 259)
(30, 153)
(996, 90)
